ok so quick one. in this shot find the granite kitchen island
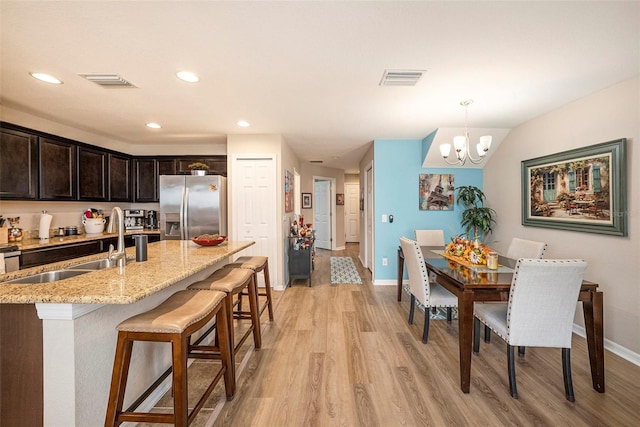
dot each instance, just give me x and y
(79, 316)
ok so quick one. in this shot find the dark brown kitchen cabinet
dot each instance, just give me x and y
(18, 164)
(21, 384)
(146, 180)
(92, 174)
(166, 166)
(119, 178)
(217, 164)
(47, 255)
(57, 169)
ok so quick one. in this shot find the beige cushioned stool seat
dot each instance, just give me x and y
(250, 262)
(178, 312)
(224, 280)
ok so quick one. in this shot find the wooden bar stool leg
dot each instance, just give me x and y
(255, 312)
(180, 406)
(223, 332)
(267, 285)
(119, 377)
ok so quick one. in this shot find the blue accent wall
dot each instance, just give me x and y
(397, 166)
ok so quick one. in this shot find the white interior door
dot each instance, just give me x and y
(254, 199)
(352, 212)
(322, 213)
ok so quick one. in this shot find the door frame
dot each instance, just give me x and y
(348, 185)
(276, 275)
(332, 206)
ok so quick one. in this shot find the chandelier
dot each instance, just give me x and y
(461, 143)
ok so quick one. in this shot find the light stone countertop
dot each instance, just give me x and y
(168, 262)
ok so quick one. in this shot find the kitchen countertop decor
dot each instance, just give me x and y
(169, 261)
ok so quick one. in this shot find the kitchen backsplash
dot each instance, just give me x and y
(64, 213)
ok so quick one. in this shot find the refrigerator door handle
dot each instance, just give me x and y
(182, 213)
(185, 224)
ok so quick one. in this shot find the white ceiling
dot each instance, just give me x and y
(310, 70)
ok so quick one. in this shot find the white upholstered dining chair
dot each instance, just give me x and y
(430, 237)
(542, 303)
(428, 294)
(520, 248)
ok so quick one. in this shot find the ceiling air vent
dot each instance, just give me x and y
(108, 80)
(315, 161)
(401, 77)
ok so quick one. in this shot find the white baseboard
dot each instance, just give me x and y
(392, 282)
(614, 348)
(340, 248)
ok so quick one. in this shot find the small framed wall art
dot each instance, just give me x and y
(306, 200)
(339, 199)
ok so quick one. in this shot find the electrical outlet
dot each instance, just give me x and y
(385, 261)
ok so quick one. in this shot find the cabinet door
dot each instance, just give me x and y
(57, 170)
(119, 178)
(146, 180)
(18, 165)
(92, 174)
(217, 164)
(166, 166)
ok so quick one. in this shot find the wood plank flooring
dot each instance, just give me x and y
(344, 355)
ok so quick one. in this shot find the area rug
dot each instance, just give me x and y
(343, 270)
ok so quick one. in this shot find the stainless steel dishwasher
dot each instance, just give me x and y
(11, 257)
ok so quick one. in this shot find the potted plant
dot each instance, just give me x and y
(475, 217)
(198, 168)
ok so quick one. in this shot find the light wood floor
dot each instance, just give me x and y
(344, 355)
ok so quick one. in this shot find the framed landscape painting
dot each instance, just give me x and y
(581, 190)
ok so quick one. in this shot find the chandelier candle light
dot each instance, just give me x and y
(461, 143)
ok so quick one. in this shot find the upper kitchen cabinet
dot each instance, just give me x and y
(18, 164)
(166, 166)
(57, 169)
(119, 178)
(146, 180)
(217, 164)
(92, 174)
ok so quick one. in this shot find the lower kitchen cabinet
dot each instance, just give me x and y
(21, 384)
(47, 255)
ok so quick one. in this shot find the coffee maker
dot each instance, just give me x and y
(134, 219)
(152, 220)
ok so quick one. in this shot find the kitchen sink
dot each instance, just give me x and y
(97, 264)
(48, 276)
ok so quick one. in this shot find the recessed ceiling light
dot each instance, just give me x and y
(188, 76)
(46, 78)
(153, 125)
(243, 123)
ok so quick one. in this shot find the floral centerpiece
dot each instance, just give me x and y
(470, 251)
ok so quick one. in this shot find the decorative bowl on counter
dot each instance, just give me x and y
(208, 239)
(93, 225)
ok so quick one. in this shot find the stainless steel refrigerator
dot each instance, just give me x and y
(192, 205)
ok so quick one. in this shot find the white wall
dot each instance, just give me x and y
(614, 262)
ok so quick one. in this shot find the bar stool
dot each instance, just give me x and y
(257, 264)
(173, 321)
(232, 282)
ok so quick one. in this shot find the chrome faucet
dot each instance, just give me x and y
(120, 255)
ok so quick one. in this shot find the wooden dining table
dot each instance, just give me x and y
(472, 284)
